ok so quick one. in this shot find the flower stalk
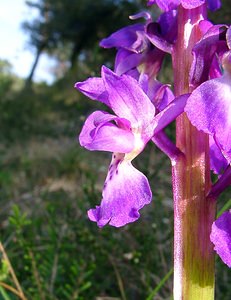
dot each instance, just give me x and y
(194, 213)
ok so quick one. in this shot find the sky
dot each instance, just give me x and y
(14, 44)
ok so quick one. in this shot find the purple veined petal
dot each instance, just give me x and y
(221, 237)
(126, 60)
(127, 99)
(218, 163)
(94, 88)
(100, 133)
(122, 94)
(209, 109)
(173, 110)
(126, 38)
(214, 4)
(126, 191)
(190, 4)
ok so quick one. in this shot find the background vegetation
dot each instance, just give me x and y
(48, 181)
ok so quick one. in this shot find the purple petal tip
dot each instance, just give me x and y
(221, 237)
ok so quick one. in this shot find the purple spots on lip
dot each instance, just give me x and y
(113, 169)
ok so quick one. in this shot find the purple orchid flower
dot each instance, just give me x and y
(126, 190)
(167, 5)
(131, 42)
(221, 237)
(135, 43)
(206, 65)
(209, 108)
(207, 53)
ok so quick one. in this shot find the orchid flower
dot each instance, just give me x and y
(142, 47)
(207, 53)
(212, 98)
(126, 190)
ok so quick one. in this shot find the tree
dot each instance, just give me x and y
(71, 27)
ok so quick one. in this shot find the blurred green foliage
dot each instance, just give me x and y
(47, 184)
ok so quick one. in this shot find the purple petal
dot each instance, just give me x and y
(151, 2)
(209, 109)
(163, 97)
(221, 237)
(126, 191)
(99, 133)
(160, 94)
(173, 110)
(152, 61)
(127, 99)
(163, 33)
(144, 83)
(214, 4)
(126, 60)
(165, 5)
(134, 73)
(218, 163)
(122, 94)
(94, 88)
(131, 38)
(168, 22)
(157, 39)
(190, 4)
(204, 26)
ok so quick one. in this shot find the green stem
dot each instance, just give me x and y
(193, 212)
